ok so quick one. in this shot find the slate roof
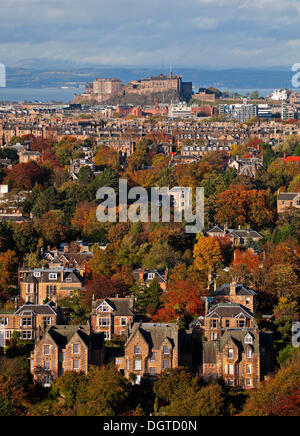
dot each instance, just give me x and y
(44, 275)
(238, 337)
(240, 233)
(38, 309)
(62, 334)
(159, 275)
(121, 306)
(155, 334)
(240, 289)
(229, 310)
(287, 195)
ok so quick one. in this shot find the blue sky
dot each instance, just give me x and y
(206, 33)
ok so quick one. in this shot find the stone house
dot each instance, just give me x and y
(65, 348)
(112, 316)
(287, 200)
(236, 293)
(48, 284)
(226, 316)
(145, 276)
(240, 356)
(152, 348)
(28, 320)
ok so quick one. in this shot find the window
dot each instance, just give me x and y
(106, 335)
(152, 371)
(248, 339)
(166, 349)
(26, 322)
(47, 365)
(213, 323)
(137, 365)
(46, 381)
(104, 322)
(166, 364)
(230, 353)
(50, 291)
(225, 368)
(240, 323)
(7, 334)
(52, 276)
(249, 354)
(137, 350)
(127, 364)
(123, 321)
(3, 321)
(46, 350)
(248, 300)
(37, 274)
(118, 361)
(75, 348)
(248, 369)
(75, 364)
(230, 382)
(152, 357)
(230, 367)
(151, 276)
(123, 333)
(104, 308)
(248, 382)
(69, 280)
(26, 334)
(61, 356)
(47, 320)
(227, 323)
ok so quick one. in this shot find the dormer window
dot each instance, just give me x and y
(37, 274)
(151, 276)
(104, 308)
(69, 280)
(52, 276)
(248, 339)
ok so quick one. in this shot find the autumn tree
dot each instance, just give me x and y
(207, 253)
(8, 267)
(183, 298)
(104, 393)
(279, 396)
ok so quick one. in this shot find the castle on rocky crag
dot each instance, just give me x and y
(113, 91)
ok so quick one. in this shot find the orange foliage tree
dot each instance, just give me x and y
(183, 298)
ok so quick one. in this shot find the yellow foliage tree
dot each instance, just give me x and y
(207, 253)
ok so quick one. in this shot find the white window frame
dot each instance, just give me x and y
(137, 364)
(52, 276)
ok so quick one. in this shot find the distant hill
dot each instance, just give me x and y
(34, 74)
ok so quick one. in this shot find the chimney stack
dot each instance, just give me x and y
(232, 288)
(141, 274)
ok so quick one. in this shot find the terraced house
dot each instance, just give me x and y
(65, 348)
(40, 284)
